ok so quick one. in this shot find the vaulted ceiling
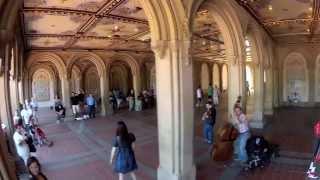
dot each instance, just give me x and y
(290, 21)
(123, 25)
(85, 24)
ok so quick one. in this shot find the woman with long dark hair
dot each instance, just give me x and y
(122, 152)
(34, 169)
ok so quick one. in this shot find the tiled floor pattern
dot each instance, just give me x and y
(82, 148)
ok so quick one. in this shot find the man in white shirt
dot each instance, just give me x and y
(199, 97)
(21, 144)
(26, 114)
(242, 125)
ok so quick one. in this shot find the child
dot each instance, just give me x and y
(41, 137)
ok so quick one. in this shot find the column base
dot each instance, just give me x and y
(268, 112)
(164, 174)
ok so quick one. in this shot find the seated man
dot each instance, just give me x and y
(60, 111)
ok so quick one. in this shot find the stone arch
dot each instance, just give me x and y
(129, 60)
(119, 77)
(228, 22)
(95, 59)
(134, 67)
(48, 57)
(91, 85)
(75, 79)
(297, 82)
(46, 96)
(317, 79)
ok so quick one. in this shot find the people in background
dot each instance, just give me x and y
(91, 102)
(210, 91)
(122, 153)
(75, 105)
(242, 124)
(60, 111)
(209, 122)
(199, 96)
(216, 94)
(20, 140)
(34, 106)
(131, 100)
(26, 115)
(34, 169)
(138, 104)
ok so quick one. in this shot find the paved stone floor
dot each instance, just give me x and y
(82, 148)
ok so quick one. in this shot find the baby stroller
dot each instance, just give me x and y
(259, 152)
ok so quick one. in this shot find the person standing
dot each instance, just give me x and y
(122, 152)
(20, 141)
(131, 100)
(26, 115)
(199, 96)
(216, 95)
(209, 122)
(34, 106)
(75, 105)
(210, 91)
(242, 125)
(91, 102)
(34, 169)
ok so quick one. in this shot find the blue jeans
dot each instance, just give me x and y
(208, 132)
(241, 146)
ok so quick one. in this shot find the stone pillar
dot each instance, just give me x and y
(257, 120)
(175, 110)
(65, 88)
(104, 87)
(137, 84)
(268, 99)
(236, 83)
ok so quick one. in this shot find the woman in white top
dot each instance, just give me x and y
(21, 144)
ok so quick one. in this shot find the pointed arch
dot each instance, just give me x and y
(295, 77)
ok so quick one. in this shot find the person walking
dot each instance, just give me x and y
(199, 96)
(242, 125)
(209, 122)
(210, 91)
(91, 102)
(216, 94)
(26, 114)
(122, 152)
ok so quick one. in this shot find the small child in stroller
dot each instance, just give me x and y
(259, 152)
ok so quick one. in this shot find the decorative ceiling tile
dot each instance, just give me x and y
(86, 5)
(130, 8)
(52, 24)
(46, 42)
(108, 27)
(93, 43)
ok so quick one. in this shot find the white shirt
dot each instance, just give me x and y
(243, 125)
(21, 146)
(26, 114)
(199, 93)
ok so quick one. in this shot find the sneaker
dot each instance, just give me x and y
(313, 176)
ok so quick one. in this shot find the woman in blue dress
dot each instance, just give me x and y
(122, 152)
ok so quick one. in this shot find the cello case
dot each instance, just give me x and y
(223, 149)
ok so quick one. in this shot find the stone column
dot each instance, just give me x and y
(137, 84)
(236, 83)
(104, 87)
(174, 110)
(257, 120)
(65, 88)
(268, 99)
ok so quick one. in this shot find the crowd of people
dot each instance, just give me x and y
(28, 135)
(145, 100)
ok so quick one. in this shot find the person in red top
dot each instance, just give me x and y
(313, 171)
(41, 136)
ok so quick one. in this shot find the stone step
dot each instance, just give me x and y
(293, 158)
